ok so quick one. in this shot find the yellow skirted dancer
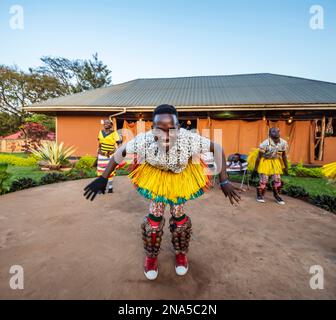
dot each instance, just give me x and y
(329, 171)
(168, 172)
(169, 187)
(268, 167)
(270, 160)
(108, 143)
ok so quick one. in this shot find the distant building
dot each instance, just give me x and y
(15, 142)
(243, 106)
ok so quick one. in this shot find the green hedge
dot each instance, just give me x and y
(49, 178)
(295, 191)
(85, 162)
(18, 161)
(4, 176)
(301, 171)
(22, 183)
(52, 177)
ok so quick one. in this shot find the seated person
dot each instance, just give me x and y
(236, 162)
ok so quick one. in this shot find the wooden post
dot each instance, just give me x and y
(114, 122)
(323, 128)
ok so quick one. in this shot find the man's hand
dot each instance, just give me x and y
(232, 192)
(91, 190)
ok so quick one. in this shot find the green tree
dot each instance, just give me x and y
(19, 89)
(56, 77)
(9, 123)
(77, 75)
(47, 121)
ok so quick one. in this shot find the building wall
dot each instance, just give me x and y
(329, 153)
(241, 136)
(80, 132)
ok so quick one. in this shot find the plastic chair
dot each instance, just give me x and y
(237, 169)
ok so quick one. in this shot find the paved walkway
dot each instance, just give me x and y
(73, 249)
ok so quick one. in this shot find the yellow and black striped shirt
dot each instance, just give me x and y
(108, 143)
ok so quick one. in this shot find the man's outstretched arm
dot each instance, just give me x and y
(116, 159)
(99, 184)
(228, 189)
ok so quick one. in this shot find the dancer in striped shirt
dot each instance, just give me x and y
(108, 143)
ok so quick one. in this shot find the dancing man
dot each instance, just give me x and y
(167, 173)
(270, 161)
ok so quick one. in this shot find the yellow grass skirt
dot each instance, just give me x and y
(266, 166)
(329, 170)
(169, 187)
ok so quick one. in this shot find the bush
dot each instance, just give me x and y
(49, 178)
(55, 155)
(295, 191)
(4, 176)
(33, 133)
(324, 199)
(91, 173)
(291, 169)
(301, 171)
(53, 178)
(47, 121)
(76, 174)
(325, 202)
(18, 161)
(22, 183)
(85, 162)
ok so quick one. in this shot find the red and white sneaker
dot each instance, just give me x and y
(181, 264)
(151, 268)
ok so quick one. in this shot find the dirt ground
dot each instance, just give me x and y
(73, 249)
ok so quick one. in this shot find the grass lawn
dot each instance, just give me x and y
(314, 186)
(24, 172)
(17, 154)
(32, 172)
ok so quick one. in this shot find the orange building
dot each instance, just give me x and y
(236, 110)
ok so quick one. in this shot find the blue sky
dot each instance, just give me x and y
(146, 38)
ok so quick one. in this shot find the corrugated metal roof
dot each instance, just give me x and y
(246, 89)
